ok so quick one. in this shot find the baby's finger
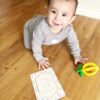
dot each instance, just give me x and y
(46, 65)
(76, 61)
(42, 67)
(39, 67)
(46, 59)
(86, 59)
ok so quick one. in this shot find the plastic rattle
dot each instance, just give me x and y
(88, 69)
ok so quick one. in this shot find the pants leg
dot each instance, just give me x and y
(27, 36)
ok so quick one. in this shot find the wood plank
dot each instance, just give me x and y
(17, 63)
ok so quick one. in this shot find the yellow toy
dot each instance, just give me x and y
(88, 69)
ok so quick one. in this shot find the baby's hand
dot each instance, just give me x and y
(43, 63)
(81, 60)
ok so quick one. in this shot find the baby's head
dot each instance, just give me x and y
(60, 13)
(74, 1)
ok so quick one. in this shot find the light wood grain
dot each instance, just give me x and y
(17, 63)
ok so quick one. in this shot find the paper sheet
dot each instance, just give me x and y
(46, 85)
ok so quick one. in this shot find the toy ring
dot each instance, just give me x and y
(90, 69)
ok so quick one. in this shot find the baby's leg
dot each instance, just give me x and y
(27, 36)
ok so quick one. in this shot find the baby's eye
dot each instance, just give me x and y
(64, 15)
(53, 11)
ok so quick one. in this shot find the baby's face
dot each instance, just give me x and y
(60, 14)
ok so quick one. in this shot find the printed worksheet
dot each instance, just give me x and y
(46, 85)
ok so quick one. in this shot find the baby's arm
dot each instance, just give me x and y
(75, 49)
(37, 53)
(37, 50)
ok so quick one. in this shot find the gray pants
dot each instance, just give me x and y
(27, 36)
(28, 30)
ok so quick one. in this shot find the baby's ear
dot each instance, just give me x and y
(73, 19)
(46, 8)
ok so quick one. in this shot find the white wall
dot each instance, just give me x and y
(89, 8)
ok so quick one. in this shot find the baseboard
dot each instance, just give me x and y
(88, 11)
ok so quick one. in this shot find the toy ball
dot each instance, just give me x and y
(88, 69)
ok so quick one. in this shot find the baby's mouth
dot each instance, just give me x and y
(56, 24)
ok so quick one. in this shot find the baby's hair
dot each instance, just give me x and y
(76, 3)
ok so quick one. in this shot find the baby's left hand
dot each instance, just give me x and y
(81, 60)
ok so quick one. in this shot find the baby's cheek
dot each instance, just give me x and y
(65, 23)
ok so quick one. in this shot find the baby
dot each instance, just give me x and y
(52, 29)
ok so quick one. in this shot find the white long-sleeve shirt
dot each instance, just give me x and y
(42, 35)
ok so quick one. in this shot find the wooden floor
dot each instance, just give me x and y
(17, 63)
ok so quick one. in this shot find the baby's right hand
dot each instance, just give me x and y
(43, 63)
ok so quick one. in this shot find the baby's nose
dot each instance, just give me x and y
(57, 17)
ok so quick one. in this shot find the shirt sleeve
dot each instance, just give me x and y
(37, 44)
(73, 43)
